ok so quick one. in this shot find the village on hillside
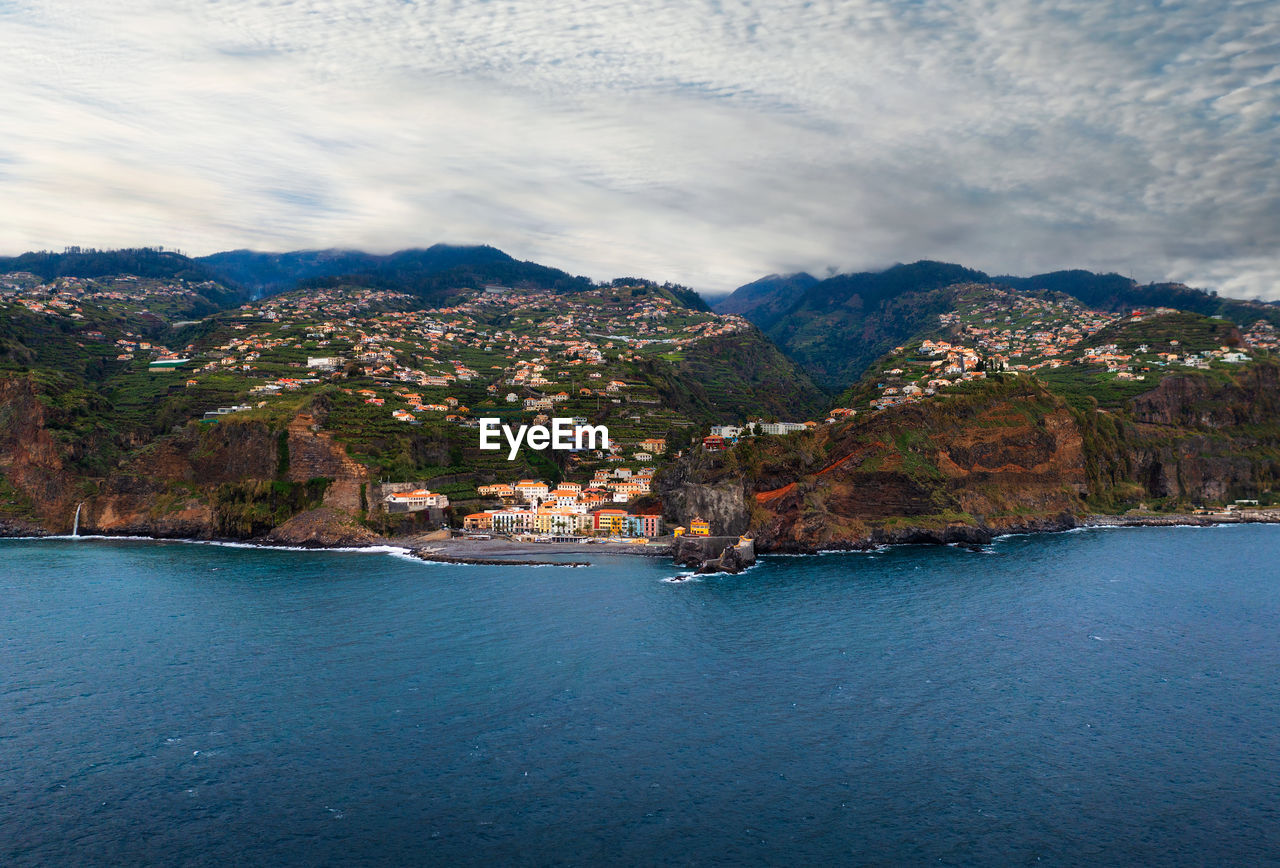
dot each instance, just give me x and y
(385, 364)
(387, 368)
(995, 330)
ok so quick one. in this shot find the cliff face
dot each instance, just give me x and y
(956, 472)
(1250, 398)
(238, 478)
(233, 479)
(1199, 469)
(30, 457)
(1202, 439)
(684, 499)
(170, 488)
(1015, 462)
(315, 454)
(1004, 457)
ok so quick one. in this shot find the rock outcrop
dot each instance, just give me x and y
(322, 528)
(1006, 457)
(706, 555)
(933, 474)
(1191, 401)
(314, 454)
(723, 502)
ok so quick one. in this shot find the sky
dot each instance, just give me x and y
(706, 142)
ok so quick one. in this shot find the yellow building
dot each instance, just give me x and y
(700, 527)
(612, 522)
(678, 531)
(561, 521)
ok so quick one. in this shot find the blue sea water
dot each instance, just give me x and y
(1102, 697)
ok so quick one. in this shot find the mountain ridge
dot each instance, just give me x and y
(835, 327)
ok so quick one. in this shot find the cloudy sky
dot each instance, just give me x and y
(707, 142)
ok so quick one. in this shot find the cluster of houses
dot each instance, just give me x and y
(532, 506)
(607, 485)
(561, 522)
(1262, 335)
(66, 296)
(945, 365)
(547, 357)
(240, 353)
(328, 305)
(1015, 325)
(1005, 331)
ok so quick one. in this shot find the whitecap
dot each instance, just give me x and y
(394, 551)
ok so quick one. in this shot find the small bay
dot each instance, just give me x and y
(1097, 697)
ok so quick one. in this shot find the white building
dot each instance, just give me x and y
(513, 521)
(413, 501)
(531, 489)
(325, 363)
(728, 432)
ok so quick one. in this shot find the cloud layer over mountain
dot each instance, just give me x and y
(702, 141)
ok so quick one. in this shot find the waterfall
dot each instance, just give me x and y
(75, 526)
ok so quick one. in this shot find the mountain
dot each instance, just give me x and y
(431, 273)
(1112, 292)
(151, 263)
(269, 273)
(766, 299)
(835, 328)
(117, 409)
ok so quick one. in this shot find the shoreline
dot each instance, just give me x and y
(500, 552)
(1265, 516)
(455, 551)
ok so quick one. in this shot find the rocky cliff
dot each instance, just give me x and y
(1002, 457)
(957, 470)
(239, 478)
(684, 499)
(1203, 438)
(1252, 397)
(996, 456)
(32, 459)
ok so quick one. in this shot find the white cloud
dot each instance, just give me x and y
(704, 142)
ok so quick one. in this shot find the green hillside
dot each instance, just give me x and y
(835, 328)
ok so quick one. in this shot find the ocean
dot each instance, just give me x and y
(1097, 697)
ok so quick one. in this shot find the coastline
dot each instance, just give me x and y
(502, 552)
(1262, 516)
(496, 552)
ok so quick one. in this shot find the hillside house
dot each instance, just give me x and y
(416, 500)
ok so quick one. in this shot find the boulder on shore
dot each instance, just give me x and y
(322, 528)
